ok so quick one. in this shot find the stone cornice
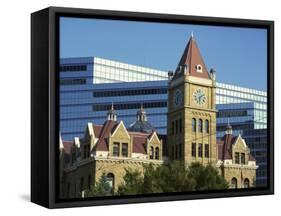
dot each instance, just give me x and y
(197, 109)
(119, 160)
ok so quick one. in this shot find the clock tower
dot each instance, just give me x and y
(192, 109)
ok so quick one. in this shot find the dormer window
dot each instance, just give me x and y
(243, 160)
(116, 149)
(237, 158)
(151, 155)
(124, 149)
(199, 68)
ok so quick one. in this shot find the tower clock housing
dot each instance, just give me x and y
(192, 109)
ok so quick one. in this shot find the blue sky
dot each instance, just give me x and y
(239, 55)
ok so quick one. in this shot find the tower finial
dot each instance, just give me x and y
(111, 114)
(141, 114)
(228, 127)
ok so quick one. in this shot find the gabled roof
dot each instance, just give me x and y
(120, 126)
(153, 134)
(103, 134)
(139, 141)
(224, 147)
(97, 130)
(192, 57)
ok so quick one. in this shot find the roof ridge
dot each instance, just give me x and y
(105, 126)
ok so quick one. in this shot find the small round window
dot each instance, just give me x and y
(198, 68)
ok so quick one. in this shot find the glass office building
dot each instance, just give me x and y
(230, 94)
(108, 71)
(94, 70)
(89, 86)
(87, 92)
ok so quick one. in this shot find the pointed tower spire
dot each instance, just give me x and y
(111, 114)
(192, 59)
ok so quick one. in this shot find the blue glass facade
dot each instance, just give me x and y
(80, 106)
(90, 85)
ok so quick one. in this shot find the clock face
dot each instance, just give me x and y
(199, 96)
(178, 98)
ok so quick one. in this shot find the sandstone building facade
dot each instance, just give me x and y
(235, 161)
(110, 149)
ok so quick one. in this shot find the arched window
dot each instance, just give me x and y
(110, 181)
(193, 125)
(246, 183)
(207, 126)
(200, 125)
(157, 153)
(151, 153)
(234, 183)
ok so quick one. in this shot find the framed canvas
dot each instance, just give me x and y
(138, 107)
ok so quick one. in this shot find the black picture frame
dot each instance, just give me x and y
(44, 104)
